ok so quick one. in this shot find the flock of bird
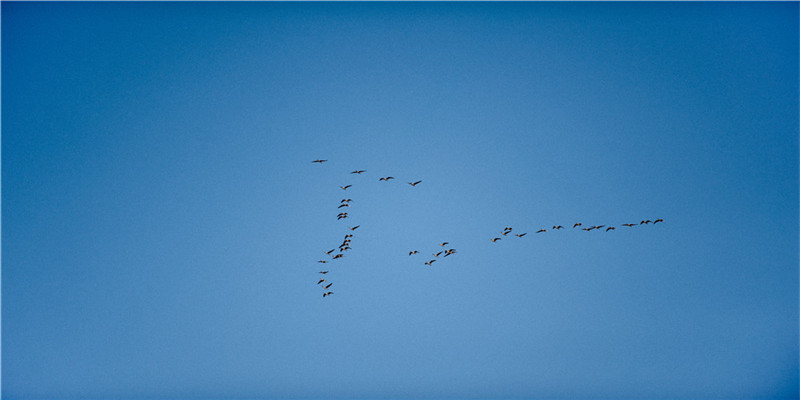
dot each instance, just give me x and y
(443, 250)
(345, 245)
(508, 229)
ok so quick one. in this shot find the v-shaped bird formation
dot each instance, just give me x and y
(441, 251)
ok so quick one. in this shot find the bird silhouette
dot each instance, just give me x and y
(327, 294)
(358, 171)
(541, 230)
(629, 225)
(344, 205)
(610, 228)
(504, 233)
(355, 227)
(320, 281)
(386, 179)
(449, 251)
(437, 254)
(338, 256)
(322, 261)
(520, 234)
(495, 240)
(319, 161)
(412, 252)
(323, 272)
(657, 221)
(346, 200)
(345, 187)
(430, 262)
(645, 222)
(558, 227)
(444, 244)
(329, 251)
(328, 285)
(578, 224)
(414, 183)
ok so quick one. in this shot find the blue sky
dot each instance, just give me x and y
(162, 220)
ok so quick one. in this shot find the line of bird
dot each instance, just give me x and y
(345, 245)
(508, 229)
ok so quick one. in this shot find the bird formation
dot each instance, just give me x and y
(508, 229)
(443, 250)
(345, 245)
(442, 253)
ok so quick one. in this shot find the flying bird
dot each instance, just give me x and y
(329, 251)
(520, 234)
(358, 171)
(327, 294)
(448, 252)
(346, 200)
(412, 252)
(414, 183)
(386, 179)
(320, 281)
(506, 232)
(323, 272)
(319, 161)
(437, 254)
(508, 228)
(345, 187)
(342, 216)
(355, 227)
(344, 205)
(629, 225)
(541, 230)
(322, 261)
(495, 240)
(610, 228)
(430, 262)
(443, 244)
(337, 256)
(645, 222)
(328, 285)
(578, 224)
(657, 221)
(558, 227)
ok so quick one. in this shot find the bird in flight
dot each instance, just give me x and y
(319, 161)
(658, 220)
(322, 261)
(323, 272)
(437, 254)
(328, 285)
(430, 262)
(320, 281)
(344, 205)
(329, 251)
(346, 200)
(327, 294)
(541, 230)
(337, 256)
(414, 183)
(558, 227)
(578, 224)
(520, 234)
(495, 240)
(629, 225)
(345, 187)
(358, 171)
(645, 222)
(443, 244)
(342, 215)
(355, 227)
(506, 232)
(412, 252)
(449, 251)
(610, 228)
(386, 179)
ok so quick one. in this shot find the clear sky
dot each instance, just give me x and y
(162, 219)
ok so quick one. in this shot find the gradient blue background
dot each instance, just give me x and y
(162, 219)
